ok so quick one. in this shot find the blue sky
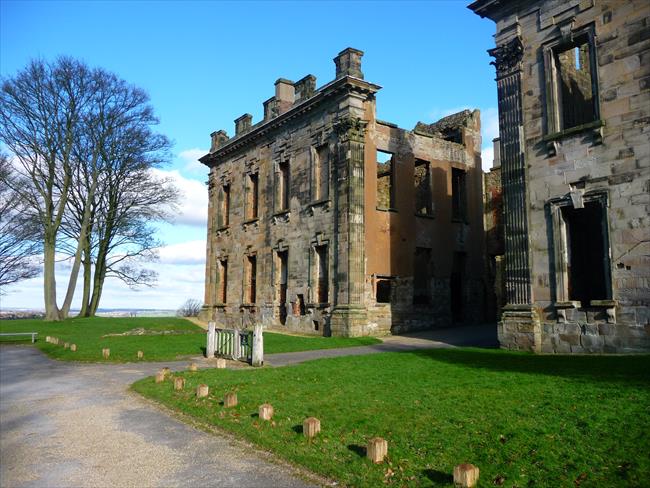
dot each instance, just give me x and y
(206, 63)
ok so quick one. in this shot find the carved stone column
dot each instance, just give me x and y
(519, 328)
(349, 315)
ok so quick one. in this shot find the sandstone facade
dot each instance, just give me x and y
(573, 80)
(325, 220)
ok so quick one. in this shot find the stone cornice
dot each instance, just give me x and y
(347, 83)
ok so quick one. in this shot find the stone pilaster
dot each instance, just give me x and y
(349, 316)
(207, 311)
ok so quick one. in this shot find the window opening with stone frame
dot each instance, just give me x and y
(252, 196)
(422, 276)
(250, 277)
(572, 89)
(223, 214)
(222, 286)
(582, 253)
(383, 289)
(385, 180)
(282, 186)
(321, 174)
(322, 273)
(282, 260)
(458, 195)
(422, 186)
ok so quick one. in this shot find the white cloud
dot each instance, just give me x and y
(193, 200)
(190, 252)
(190, 159)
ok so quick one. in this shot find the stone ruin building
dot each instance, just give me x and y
(325, 220)
(573, 82)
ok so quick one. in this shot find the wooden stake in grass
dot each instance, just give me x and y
(106, 353)
(221, 363)
(160, 376)
(179, 384)
(377, 449)
(465, 476)
(202, 391)
(48, 339)
(193, 367)
(166, 371)
(230, 399)
(266, 411)
(66, 345)
(140, 354)
(311, 427)
(73, 347)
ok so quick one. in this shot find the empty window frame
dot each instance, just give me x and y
(422, 276)
(223, 209)
(252, 196)
(383, 289)
(282, 186)
(222, 286)
(281, 281)
(250, 277)
(385, 180)
(321, 174)
(422, 188)
(458, 195)
(322, 273)
(572, 88)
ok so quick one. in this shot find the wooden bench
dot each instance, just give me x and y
(33, 334)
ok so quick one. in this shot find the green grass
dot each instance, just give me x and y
(87, 334)
(525, 420)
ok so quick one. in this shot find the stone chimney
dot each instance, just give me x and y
(284, 95)
(348, 63)
(270, 109)
(243, 123)
(496, 144)
(305, 88)
(219, 138)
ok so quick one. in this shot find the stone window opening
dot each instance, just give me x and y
(458, 195)
(385, 181)
(250, 276)
(282, 182)
(252, 196)
(222, 287)
(282, 260)
(571, 82)
(321, 174)
(223, 219)
(422, 188)
(322, 273)
(383, 289)
(422, 276)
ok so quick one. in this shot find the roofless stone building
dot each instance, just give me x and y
(325, 220)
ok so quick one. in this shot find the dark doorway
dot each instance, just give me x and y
(456, 284)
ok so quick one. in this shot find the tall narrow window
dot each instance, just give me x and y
(282, 260)
(458, 195)
(422, 188)
(322, 274)
(385, 181)
(223, 219)
(250, 290)
(321, 185)
(384, 289)
(575, 84)
(252, 195)
(222, 290)
(422, 276)
(282, 192)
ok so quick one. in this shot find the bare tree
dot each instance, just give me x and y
(190, 308)
(19, 236)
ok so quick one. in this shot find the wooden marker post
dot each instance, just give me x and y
(311, 427)
(106, 353)
(465, 475)
(377, 449)
(140, 354)
(73, 347)
(258, 346)
(160, 376)
(179, 384)
(221, 363)
(66, 345)
(230, 399)
(212, 335)
(202, 391)
(193, 367)
(266, 411)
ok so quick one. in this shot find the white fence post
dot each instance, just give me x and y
(258, 346)
(209, 350)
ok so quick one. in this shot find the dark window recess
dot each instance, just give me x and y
(252, 195)
(385, 180)
(574, 75)
(383, 290)
(315, 324)
(223, 281)
(283, 186)
(456, 284)
(282, 260)
(452, 135)
(225, 206)
(322, 174)
(251, 279)
(586, 253)
(301, 305)
(422, 187)
(422, 276)
(458, 195)
(322, 274)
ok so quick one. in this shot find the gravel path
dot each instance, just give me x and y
(74, 425)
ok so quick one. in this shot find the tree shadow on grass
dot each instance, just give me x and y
(632, 369)
(438, 477)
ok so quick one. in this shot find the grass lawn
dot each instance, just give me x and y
(87, 335)
(524, 420)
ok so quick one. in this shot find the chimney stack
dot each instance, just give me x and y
(284, 95)
(219, 138)
(243, 123)
(305, 88)
(348, 63)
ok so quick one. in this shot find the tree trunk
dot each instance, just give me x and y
(49, 280)
(85, 299)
